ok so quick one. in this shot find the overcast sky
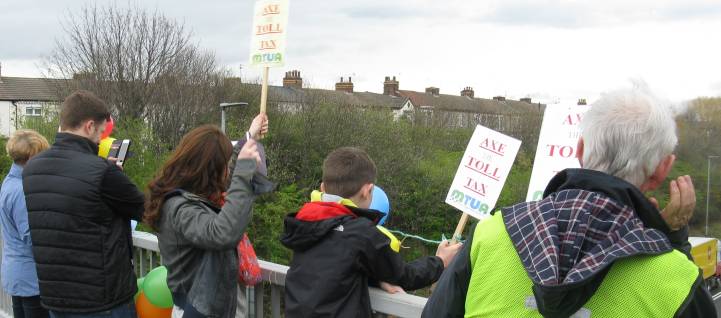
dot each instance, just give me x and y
(547, 50)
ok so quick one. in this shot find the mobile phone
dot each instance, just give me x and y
(119, 150)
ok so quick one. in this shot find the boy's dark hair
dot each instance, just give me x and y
(346, 170)
(80, 106)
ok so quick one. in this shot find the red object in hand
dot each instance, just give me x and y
(248, 267)
(109, 124)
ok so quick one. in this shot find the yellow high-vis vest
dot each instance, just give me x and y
(638, 286)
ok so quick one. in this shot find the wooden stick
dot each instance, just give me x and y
(264, 90)
(459, 228)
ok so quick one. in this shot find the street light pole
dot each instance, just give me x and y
(223, 106)
(708, 188)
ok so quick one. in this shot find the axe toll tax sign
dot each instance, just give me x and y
(482, 172)
(557, 144)
(270, 22)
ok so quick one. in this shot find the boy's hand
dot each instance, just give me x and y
(250, 151)
(392, 289)
(447, 251)
(259, 126)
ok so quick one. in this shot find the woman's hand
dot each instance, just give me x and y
(250, 151)
(259, 126)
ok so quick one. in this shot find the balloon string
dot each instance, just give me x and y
(422, 239)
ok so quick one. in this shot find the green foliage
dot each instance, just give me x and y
(267, 225)
(5, 161)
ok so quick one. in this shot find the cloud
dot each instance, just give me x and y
(583, 14)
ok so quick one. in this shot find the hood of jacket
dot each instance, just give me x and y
(325, 213)
(568, 240)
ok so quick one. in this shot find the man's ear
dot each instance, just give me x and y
(322, 187)
(579, 151)
(659, 175)
(88, 126)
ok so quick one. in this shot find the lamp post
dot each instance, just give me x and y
(708, 188)
(223, 106)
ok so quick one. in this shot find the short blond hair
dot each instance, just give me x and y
(24, 144)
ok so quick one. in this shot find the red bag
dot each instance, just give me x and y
(248, 268)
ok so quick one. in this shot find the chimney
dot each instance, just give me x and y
(527, 100)
(581, 101)
(292, 79)
(344, 86)
(390, 86)
(499, 98)
(435, 91)
(1, 72)
(468, 92)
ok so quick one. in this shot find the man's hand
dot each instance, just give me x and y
(447, 251)
(250, 151)
(392, 289)
(682, 202)
(259, 126)
(115, 161)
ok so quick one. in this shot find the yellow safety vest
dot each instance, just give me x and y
(638, 286)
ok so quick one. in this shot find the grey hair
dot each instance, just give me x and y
(627, 133)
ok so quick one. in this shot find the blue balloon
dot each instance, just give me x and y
(380, 203)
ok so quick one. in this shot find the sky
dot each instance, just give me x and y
(552, 51)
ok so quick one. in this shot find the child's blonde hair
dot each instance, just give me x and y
(24, 144)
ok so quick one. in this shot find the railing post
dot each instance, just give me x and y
(259, 300)
(275, 300)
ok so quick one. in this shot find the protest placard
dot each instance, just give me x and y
(557, 144)
(270, 24)
(482, 172)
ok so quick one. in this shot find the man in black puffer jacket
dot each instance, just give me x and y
(79, 210)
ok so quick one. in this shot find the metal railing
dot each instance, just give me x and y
(147, 257)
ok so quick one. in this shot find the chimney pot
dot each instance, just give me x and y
(344, 86)
(468, 92)
(582, 101)
(349, 80)
(390, 87)
(292, 79)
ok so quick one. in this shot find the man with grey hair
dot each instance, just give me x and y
(595, 245)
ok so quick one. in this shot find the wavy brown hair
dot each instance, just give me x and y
(198, 165)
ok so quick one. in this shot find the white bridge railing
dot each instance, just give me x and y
(147, 257)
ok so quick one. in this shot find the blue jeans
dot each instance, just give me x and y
(122, 311)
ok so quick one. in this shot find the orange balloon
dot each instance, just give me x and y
(147, 310)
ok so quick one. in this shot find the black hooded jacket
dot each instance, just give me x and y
(337, 250)
(565, 299)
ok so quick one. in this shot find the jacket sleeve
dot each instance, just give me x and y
(121, 195)
(385, 264)
(20, 216)
(208, 230)
(449, 297)
(699, 303)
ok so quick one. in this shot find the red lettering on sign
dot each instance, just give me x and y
(493, 146)
(267, 29)
(271, 9)
(561, 151)
(475, 186)
(268, 45)
(482, 168)
(572, 119)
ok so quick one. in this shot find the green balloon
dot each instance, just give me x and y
(140, 287)
(155, 287)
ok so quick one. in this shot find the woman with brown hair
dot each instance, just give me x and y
(198, 228)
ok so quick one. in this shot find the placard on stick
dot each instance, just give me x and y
(267, 44)
(557, 144)
(482, 172)
(270, 23)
